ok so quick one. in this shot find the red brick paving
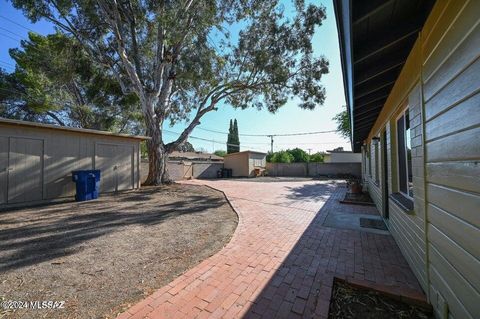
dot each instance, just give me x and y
(281, 261)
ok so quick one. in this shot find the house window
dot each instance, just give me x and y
(377, 162)
(258, 162)
(365, 160)
(369, 160)
(404, 154)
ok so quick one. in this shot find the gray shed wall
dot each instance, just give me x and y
(36, 163)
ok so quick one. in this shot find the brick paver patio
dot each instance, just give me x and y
(281, 261)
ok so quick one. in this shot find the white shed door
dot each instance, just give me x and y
(124, 167)
(105, 161)
(116, 165)
(3, 169)
(25, 170)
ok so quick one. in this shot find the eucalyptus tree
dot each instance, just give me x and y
(56, 81)
(185, 58)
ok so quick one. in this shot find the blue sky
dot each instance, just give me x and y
(289, 119)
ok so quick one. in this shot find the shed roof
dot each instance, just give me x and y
(375, 39)
(9, 122)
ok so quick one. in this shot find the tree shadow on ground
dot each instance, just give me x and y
(301, 286)
(43, 235)
(313, 191)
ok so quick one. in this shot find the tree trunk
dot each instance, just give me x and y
(157, 153)
(157, 163)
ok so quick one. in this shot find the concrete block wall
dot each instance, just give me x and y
(313, 169)
(179, 170)
(206, 170)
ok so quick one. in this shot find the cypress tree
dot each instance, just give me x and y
(229, 139)
(236, 138)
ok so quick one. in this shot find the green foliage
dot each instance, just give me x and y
(296, 155)
(56, 80)
(12, 100)
(317, 158)
(233, 140)
(269, 157)
(185, 147)
(165, 48)
(220, 153)
(261, 55)
(282, 157)
(143, 149)
(299, 155)
(343, 123)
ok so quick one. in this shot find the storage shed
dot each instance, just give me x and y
(36, 161)
(243, 164)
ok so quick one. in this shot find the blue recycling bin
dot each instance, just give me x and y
(87, 184)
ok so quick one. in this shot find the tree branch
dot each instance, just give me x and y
(184, 135)
(133, 35)
(55, 117)
(115, 23)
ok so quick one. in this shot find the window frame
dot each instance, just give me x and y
(376, 150)
(369, 155)
(402, 114)
(365, 161)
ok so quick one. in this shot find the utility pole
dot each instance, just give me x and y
(271, 143)
(309, 150)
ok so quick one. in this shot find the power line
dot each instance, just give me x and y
(209, 140)
(16, 23)
(9, 37)
(268, 135)
(15, 34)
(7, 63)
(305, 133)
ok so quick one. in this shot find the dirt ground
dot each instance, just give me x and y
(102, 256)
(349, 302)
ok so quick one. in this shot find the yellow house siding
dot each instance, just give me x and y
(451, 68)
(410, 239)
(373, 187)
(392, 161)
(406, 81)
(440, 84)
(407, 229)
(375, 194)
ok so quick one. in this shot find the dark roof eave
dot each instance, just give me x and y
(343, 13)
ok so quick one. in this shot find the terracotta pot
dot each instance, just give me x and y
(356, 188)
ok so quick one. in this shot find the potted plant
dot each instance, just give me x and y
(355, 186)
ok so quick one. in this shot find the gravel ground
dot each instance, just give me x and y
(102, 256)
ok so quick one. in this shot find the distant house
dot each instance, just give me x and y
(412, 82)
(244, 164)
(194, 156)
(338, 155)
